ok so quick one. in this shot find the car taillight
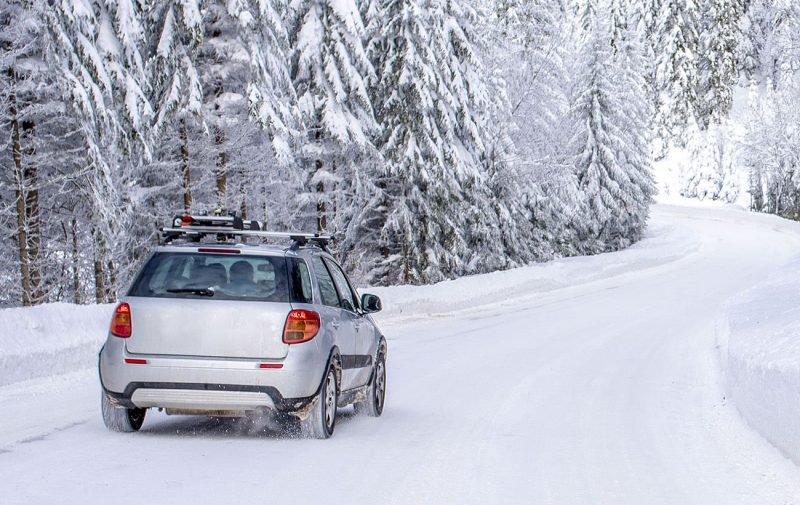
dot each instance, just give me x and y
(301, 326)
(121, 321)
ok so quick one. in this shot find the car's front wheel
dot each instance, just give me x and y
(321, 422)
(120, 418)
(376, 394)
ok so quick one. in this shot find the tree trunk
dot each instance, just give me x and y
(220, 172)
(222, 159)
(111, 294)
(335, 200)
(32, 214)
(99, 274)
(187, 173)
(22, 230)
(243, 196)
(322, 210)
(76, 277)
(26, 201)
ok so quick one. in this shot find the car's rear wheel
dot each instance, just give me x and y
(322, 421)
(376, 394)
(120, 418)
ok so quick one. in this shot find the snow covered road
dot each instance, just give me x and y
(605, 391)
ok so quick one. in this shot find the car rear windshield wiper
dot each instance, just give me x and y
(194, 291)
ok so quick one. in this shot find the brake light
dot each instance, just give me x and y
(217, 250)
(301, 326)
(121, 321)
(187, 221)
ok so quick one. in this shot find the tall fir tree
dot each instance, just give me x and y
(535, 43)
(98, 54)
(677, 70)
(330, 70)
(612, 161)
(431, 100)
(718, 72)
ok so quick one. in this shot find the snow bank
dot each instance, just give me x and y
(759, 337)
(60, 338)
(663, 243)
(50, 340)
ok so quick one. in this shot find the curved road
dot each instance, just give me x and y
(605, 392)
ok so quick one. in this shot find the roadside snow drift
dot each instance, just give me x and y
(760, 342)
(663, 244)
(50, 340)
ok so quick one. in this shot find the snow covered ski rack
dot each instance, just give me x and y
(225, 227)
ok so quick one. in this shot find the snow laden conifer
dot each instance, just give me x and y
(430, 100)
(175, 33)
(612, 158)
(718, 72)
(753, 27)
(770, 150)
(711, 174)
(533, 43)
(677, 77)
(98, 55)
(330, 71)
(221, 80)
(419, 230)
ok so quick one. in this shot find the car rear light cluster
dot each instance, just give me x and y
(301, 326)
(121, 321)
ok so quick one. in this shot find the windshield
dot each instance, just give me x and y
(213, 276)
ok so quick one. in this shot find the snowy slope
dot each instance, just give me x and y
(50, 340)
(760, 340)
(589, 390)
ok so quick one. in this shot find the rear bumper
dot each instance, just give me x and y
(211, 383)
(208, 397)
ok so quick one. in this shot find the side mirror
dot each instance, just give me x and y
(370, 303)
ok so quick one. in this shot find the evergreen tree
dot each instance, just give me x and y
(330, 70)
(98, 56)
(718, 71)
(612, 162)
(534, 44)
(618, 13)
(431, 99)
(677, 70)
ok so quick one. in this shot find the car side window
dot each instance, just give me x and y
(327, 289)
(300, 281)
(348, 295)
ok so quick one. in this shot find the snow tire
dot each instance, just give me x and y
(376, 394)
(121, 419)
(322, 421)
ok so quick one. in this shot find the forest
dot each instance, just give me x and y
(431, 138)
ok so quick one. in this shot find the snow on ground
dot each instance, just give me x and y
(591, 380)
(663, 243)
(50, 340)
(760, 342)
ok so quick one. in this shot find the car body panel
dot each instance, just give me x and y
(210, 328)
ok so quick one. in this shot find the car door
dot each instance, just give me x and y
(336, 320)
(361, 361)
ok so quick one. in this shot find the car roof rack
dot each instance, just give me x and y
(226, 227)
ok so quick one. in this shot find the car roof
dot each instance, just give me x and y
(252, 249)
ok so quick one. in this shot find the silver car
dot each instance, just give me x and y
(230, 329)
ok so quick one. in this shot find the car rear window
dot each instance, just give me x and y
(214, 277)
